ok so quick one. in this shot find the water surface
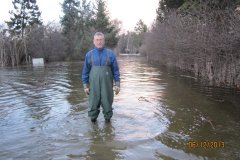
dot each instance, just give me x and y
(43, 115)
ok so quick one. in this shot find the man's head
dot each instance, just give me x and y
(98, 40)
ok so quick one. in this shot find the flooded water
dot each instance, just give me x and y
(157, 115)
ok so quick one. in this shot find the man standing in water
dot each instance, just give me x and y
(99, 70)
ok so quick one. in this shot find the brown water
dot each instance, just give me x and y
(43, 115)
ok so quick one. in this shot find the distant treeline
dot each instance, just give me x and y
(24, 36)
(200, 37)
(132, 42)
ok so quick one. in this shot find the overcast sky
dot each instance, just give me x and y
(127, 11)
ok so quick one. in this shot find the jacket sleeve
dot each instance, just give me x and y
(115, 70)
(86, 71)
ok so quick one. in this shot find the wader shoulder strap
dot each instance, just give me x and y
(91, 55)
(108, 59)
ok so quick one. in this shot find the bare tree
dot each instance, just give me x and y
(205, 42)
(3, 56)
(46, 42)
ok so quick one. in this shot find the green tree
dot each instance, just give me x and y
(140, 27)
(102, 24)
(161, 11)
(26, 13)
(70, 10)
(77, 25)
(84, 26)
(138, 36)
(190, 6)
(165, 5)
(69, 24)
(173, 4)
(24, 17)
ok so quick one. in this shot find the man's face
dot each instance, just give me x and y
(98, 41)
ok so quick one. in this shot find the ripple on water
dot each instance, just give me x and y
(43, 115)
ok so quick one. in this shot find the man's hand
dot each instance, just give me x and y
(117, 90)
(87, 90)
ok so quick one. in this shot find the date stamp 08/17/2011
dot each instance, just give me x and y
(206, 144)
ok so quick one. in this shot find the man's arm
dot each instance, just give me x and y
(115, 70)
(85, 72)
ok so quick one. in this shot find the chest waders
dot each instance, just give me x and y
(101, 90)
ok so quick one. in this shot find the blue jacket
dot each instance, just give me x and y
(99, 57)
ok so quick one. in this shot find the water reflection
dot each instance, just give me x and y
(199, 118)
(102, 142)
(76, 97)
